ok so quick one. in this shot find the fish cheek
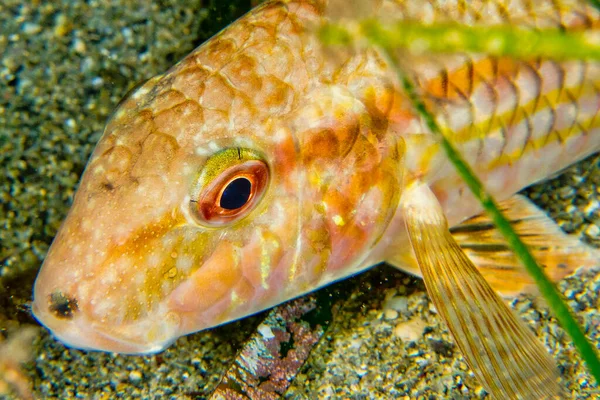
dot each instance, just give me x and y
(210, 283)
(184, 251)
(139, 274)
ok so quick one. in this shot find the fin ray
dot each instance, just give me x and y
(500, 349)
(558, 253)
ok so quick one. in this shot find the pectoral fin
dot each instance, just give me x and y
(500, 349)
(558, 253)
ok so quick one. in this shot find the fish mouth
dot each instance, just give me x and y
(80, 333)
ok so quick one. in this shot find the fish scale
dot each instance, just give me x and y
(339, 167)
(520, 121)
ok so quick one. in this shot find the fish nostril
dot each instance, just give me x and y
(62, 306)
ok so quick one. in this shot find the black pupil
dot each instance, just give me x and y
(236, 194)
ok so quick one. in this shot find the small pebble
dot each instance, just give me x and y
(135, 376)
(397, 303)
(390, 314)
(410, 331)
(592, 231)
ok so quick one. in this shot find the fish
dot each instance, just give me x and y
(265, 165)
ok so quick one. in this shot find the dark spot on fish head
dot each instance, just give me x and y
(62, 306)
(561, 265)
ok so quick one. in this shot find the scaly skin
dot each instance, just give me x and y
(133, 267)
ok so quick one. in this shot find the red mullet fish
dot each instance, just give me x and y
(265, 165)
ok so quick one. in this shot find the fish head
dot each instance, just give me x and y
(202, 204)
(174, 227)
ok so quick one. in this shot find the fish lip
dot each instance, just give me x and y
(79, 334)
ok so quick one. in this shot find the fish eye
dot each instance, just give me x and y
(230, 187)
(236, 194)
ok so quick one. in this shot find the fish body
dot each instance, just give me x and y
(265, 165)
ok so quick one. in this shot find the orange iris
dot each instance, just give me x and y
(233, 194)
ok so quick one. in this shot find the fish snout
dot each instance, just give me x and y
(64, 314)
